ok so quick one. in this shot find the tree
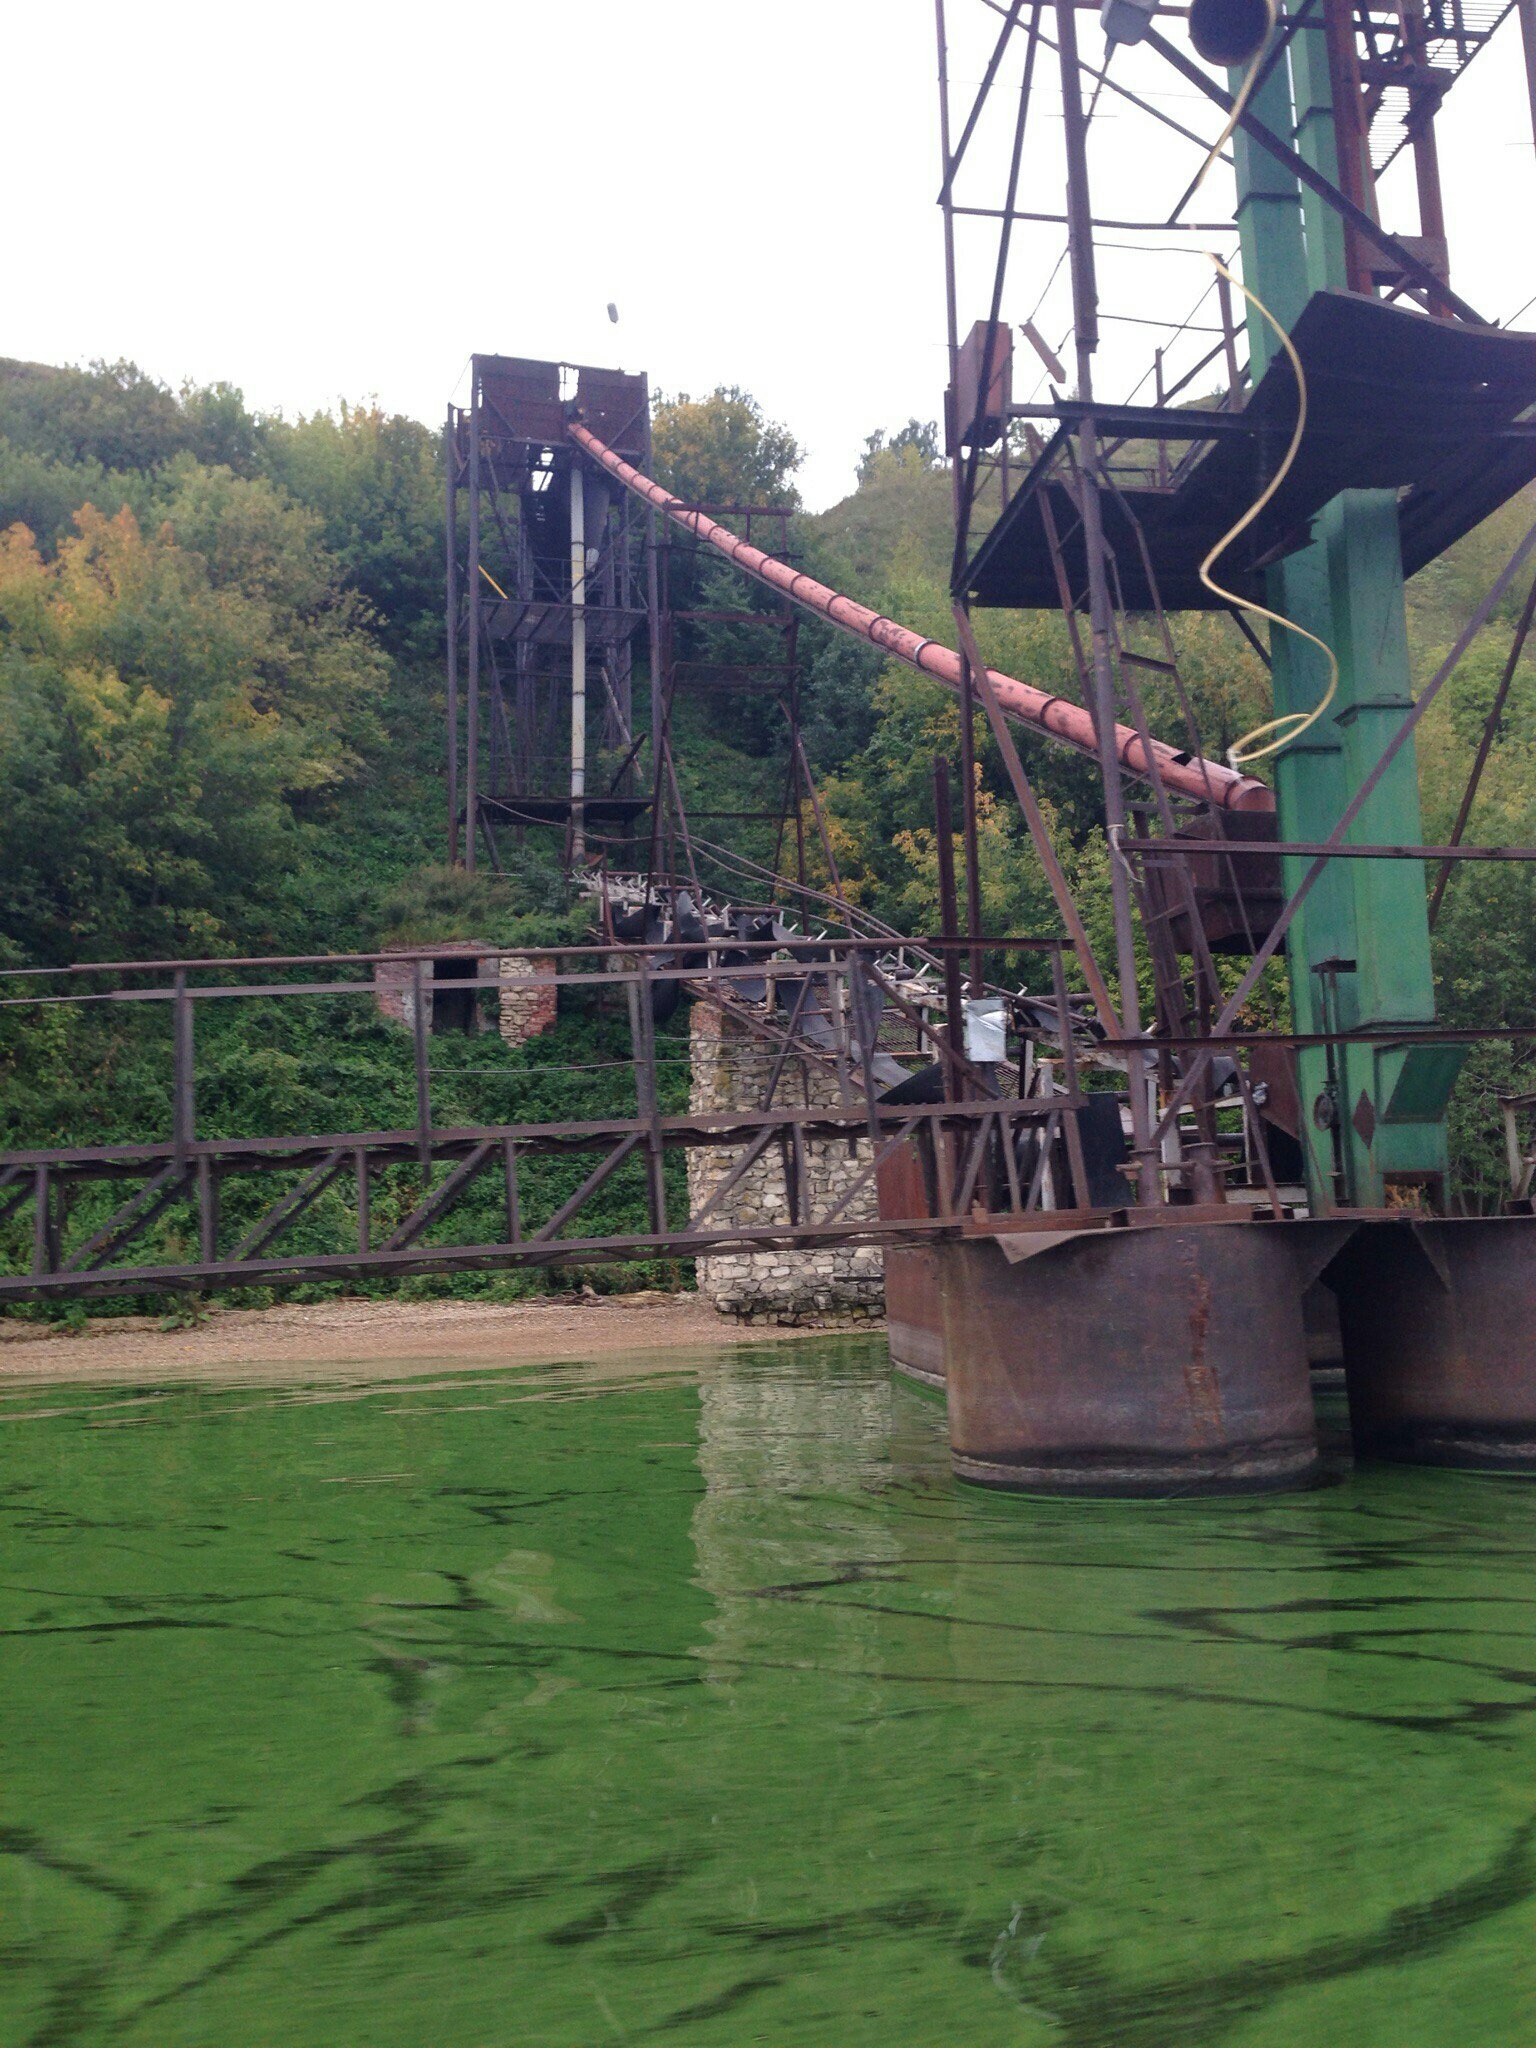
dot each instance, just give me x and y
(163, 732)
(376, 481)
(112, 436)
(304, 644)
(721, 450)
(112, 414)
(43, 493)
(920, 436)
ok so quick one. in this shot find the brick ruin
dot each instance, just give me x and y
(454, 976)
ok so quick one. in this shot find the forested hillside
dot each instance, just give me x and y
(221, 705)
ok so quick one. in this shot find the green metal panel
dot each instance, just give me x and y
(1415, 1081)
(1309, 779)
(1347, 587)
(1315, 140)
(1269, 222)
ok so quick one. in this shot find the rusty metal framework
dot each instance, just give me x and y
(988, 1152)
(559, 586)
(570, 573)
(821, 1001)
(1102, 509)
(546, 578)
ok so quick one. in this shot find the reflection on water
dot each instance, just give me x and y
(532, 1711)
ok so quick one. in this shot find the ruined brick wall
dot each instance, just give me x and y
(833, 1284)
(522, 1013)
(526, 1012)
(393, 991)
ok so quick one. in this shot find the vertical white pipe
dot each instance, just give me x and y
(578, 665)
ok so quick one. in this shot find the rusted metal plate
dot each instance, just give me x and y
(976, 422)
(613, 406)
(911, 1279)
(521, 398)
(1133, 1361)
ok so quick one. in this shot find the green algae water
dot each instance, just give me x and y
(543, 1709)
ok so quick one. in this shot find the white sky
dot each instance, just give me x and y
(340, 200)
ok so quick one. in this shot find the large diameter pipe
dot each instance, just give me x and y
(1186, 774)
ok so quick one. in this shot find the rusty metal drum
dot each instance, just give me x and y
(1439, 1324)
(1161, 1359)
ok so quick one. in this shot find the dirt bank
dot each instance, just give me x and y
(348, 1338)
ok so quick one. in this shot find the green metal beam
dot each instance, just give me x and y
(1347, 587)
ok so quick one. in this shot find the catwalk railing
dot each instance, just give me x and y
(122, 1218)
(1001, 1149)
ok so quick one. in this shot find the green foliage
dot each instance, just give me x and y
(837, 706)
(530, 905)
(918, 437)
(720, 450)
(375, 480)
(167, 715)
(111, 436)
(44, 494)
(898, 523)
(219, 427)
(111, 414)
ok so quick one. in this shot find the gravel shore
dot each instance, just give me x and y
(349, 1338)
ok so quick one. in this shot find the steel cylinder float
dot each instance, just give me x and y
(1132, 1360)
(1438, 1317)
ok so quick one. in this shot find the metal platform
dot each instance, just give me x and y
(1395, 401)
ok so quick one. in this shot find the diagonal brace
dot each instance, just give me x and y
(125, 1224)
(282, 1213)
(588, 1188)
(441, 1200)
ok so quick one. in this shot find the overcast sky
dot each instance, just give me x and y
(336, 200)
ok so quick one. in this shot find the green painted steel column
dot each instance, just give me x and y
(1309, 777)
(1394, 982)
(1347, 587)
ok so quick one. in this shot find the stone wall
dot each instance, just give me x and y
(522, 1013)
(394, 989)
(832, 1285)
(526, 1012)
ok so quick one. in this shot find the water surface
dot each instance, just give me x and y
(543, 1709)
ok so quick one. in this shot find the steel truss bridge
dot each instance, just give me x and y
(825, 1003)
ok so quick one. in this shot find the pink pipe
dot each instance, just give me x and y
(1185, 774)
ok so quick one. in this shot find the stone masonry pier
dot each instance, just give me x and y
(834, 1285)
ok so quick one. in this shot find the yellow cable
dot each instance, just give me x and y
(496, 586)
(1292, 724)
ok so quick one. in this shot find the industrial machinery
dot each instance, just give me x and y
(1104, 1209)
